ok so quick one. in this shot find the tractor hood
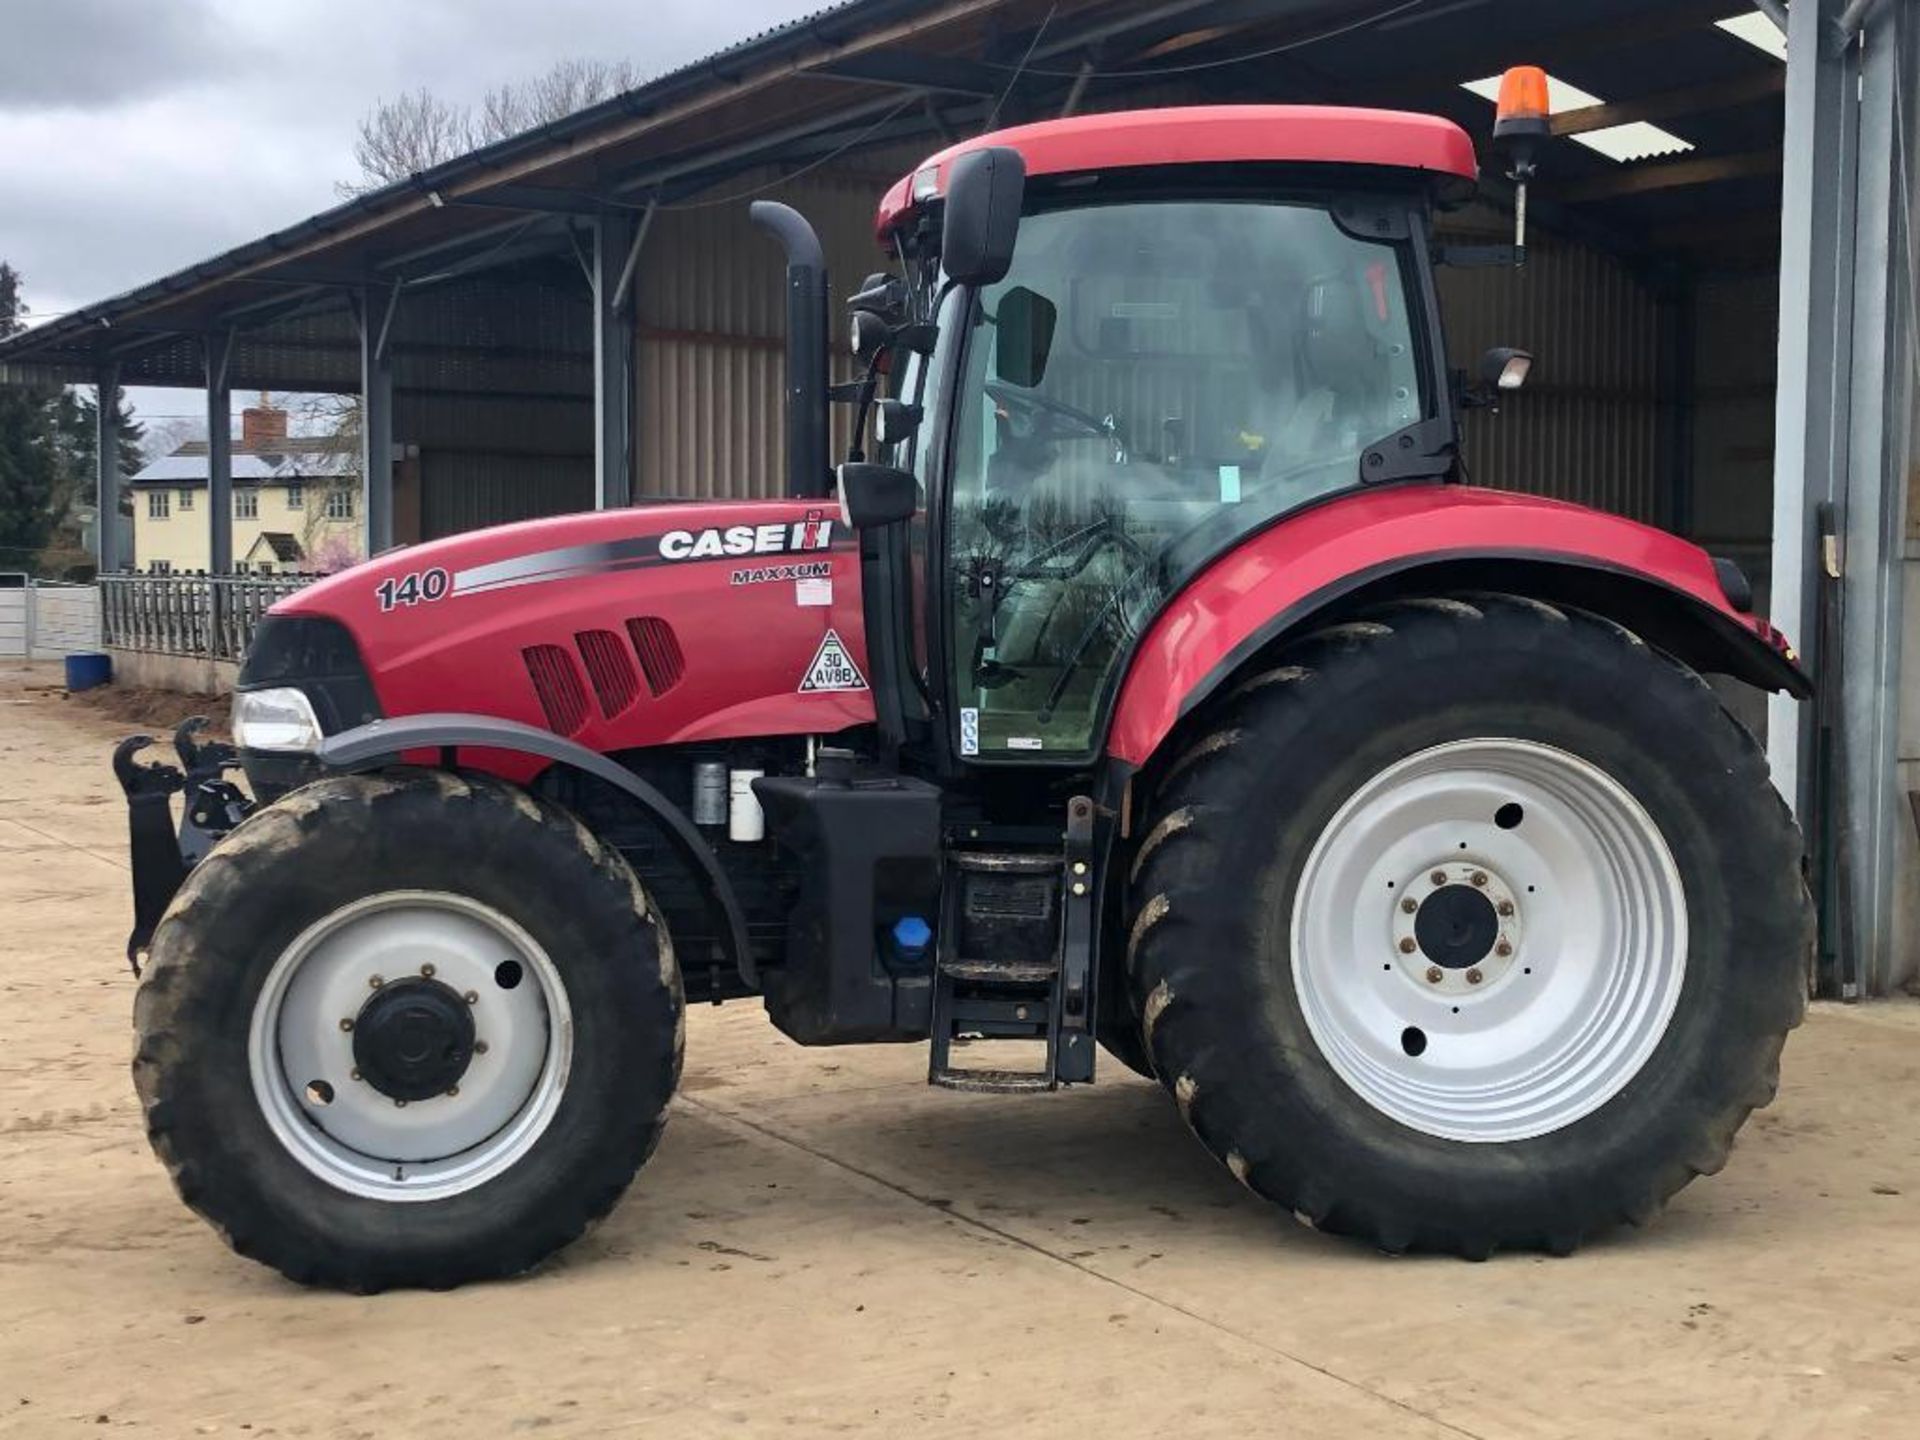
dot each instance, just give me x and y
(617, 629)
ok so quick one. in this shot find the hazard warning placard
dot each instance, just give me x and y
(832, 668)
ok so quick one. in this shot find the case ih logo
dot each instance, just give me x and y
(813, 533)
(569, 562)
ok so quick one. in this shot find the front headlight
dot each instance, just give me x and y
(280, 719)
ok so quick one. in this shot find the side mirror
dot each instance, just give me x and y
(1505, 368)
(984, 192)
(1023, 336)
(872, 495)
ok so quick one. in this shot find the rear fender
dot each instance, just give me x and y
(527, 751)
(1329, 560)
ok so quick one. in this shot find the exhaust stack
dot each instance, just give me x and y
(809, 473)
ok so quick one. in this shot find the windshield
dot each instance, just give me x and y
(1148, 383)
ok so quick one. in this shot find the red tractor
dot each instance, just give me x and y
(1157, 685)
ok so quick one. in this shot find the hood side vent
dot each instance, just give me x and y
(556, 680)
(659, 651)
(610, 668)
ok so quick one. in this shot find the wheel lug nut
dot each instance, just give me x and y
(427, 970)
(399, 1104)
(1435, 974)
(472, 997)
(1505, 907)
(1503, 949)
(353, 1074)
(345, 1023)
(1473, 977)
(479, 1047)
(1480, 877)
(1439, 877)
(374, 982)
(1409, 905)
(453, 1089)
(1407, 945)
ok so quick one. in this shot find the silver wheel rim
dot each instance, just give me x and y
(301, 1059)
(1579, 979)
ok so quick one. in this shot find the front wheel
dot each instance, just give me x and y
(407, 1030)
(1472, 924)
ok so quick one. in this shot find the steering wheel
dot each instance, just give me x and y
(1033, 405)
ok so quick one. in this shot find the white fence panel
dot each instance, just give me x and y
(66, 618)
(13, 615)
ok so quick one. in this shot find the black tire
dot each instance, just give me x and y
(1212, 899)
(326, 846)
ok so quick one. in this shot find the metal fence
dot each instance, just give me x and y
(211, 616)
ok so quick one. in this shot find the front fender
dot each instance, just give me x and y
(1423, 539)
(383, 742)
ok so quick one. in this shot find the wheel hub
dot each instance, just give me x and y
(413, 1039)
(1456, 927)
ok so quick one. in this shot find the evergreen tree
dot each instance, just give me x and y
(76, 430)
(29, 465)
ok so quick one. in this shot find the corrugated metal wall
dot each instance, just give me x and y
(1587, 426)
(712, 326)
(1736, 327)
(493, 384)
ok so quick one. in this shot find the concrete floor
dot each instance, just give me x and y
(822, 1244)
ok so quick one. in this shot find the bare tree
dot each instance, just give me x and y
(570, 86)
(416, 131)
(334, 423)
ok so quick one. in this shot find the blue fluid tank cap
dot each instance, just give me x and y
(912, 935)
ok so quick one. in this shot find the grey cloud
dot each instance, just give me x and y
(87, 54)
(140, 136)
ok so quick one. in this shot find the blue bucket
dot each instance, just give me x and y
(88, 668)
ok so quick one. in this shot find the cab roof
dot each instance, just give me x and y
(1205, 135)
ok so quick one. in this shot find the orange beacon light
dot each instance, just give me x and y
(1522, 109)
(1520, 124)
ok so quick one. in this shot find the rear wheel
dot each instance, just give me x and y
(407, 1030)
(1513, 950)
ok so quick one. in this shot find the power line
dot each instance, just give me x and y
(1014, 79)
(1157, 71)
(792, 175)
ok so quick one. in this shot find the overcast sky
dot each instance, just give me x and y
(138, 136)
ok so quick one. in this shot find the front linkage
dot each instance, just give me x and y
(162, 856)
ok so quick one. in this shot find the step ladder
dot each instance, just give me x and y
(1013, 960)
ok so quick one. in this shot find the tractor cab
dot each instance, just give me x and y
(1125, 343)
(1117, 347)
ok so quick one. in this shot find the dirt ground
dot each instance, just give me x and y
(824, 1245)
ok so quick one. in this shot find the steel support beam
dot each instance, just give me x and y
(218, 349)
(1674, 104)
(1816, 312)
(1874, 821)
(109, 529)
(373, 312)
(1672, 175)
(1843, 355)
(616, 251)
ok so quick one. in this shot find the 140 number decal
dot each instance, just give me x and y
(420, 587)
